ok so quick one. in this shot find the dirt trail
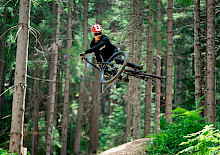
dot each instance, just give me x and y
(136, 147)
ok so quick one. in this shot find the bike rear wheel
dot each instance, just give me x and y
(113, 68)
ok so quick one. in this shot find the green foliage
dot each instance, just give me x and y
(200, 100)
(42, 134)
(116, 25)
(113, 133)
(172, 134)
(185, 2)
(206, 141)
(5, 152)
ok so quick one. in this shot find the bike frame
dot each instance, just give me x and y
(128, 72)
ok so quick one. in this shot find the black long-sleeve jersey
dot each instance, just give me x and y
(103, 47)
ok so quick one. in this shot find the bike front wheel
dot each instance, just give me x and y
(113, 68)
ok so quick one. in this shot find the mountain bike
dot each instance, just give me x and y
(115, 68)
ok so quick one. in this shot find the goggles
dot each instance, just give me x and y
(97, 33)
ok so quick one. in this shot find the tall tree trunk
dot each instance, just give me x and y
(2, 58)
(169, 75)
(57, 96)
(82, 93)
(163, 82)
(130, 84)
(85, 26)
(197, 54)
(210, 64)
(203, 32)
(35, 134)
(158, 81)
(67, 81)
(30, 96)
(49, 85)
(137, 87)
(87, 115)
(94, 114)
(77, 139)
(71, 137)
(49, 138)
(98, 8)
(50, 71)
(149, 70)
(2, 67)
(18, 107)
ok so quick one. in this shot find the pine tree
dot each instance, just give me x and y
(148, 99)
(67, 81)
(158, 81)
(35, 134)
(2, 57)
(197, 53)
(82, 91)
(95, 92)
(18, 106)
(137, 87)
(131, 80)
(50, 123)
(169, 61)
(210, 64)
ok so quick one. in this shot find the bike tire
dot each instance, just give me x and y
(107, 81)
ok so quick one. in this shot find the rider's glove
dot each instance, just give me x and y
(82, 54)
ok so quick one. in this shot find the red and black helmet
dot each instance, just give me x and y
(96, 28)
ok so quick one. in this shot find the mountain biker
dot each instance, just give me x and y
(101, 45)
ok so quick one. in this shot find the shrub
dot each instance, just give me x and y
(206, 141)
(5, 152)
(172, 134)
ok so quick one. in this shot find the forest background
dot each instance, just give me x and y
(76, 113)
